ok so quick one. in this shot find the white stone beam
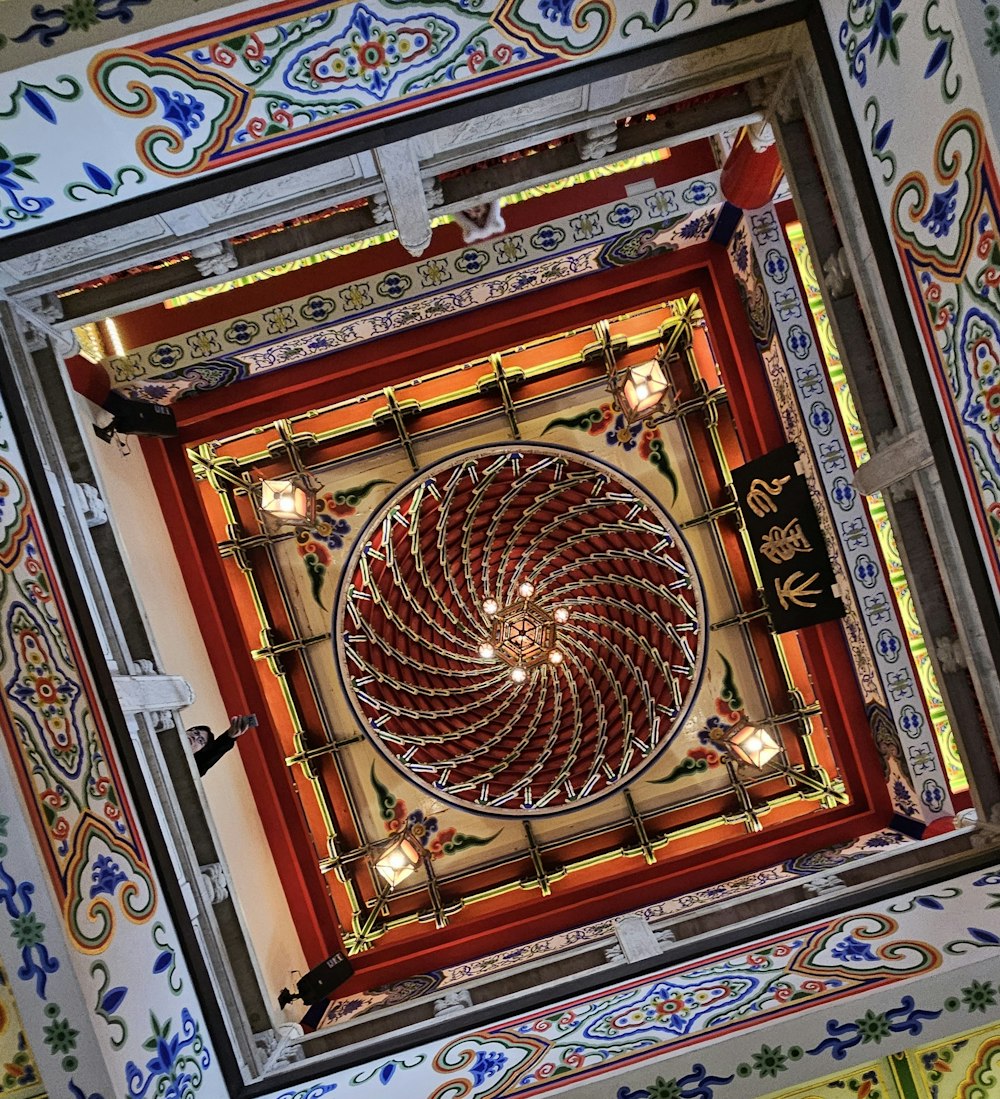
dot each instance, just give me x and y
(893, 462)
(606, 94)
(400, 170)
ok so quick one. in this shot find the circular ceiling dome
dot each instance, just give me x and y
(520, 629)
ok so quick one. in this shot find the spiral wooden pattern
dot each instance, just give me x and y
(409, 622)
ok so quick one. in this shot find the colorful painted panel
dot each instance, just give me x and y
(920, 113)
(85, 924)
(399, 992)
(200, 99)
(966, 1066)
(20, 1077)
(56, 735)
(887, 976)
(879, 517)
(31, 33)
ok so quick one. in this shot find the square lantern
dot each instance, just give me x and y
(641, 390)
(752, 744)
(397, 859)
(286, 502)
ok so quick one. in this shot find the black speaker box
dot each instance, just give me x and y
(140, 417)
(318, 983)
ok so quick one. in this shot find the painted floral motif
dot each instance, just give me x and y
(74, 15)
(708, 754)
(59, 1036)
(370, 53)
(109, 999)
(435, 840)
(872, 28)
(979, 996)
(991, 36)
(15, 204)
(203, 343)
(46, 692)
(180, 109)
(873, 1028)
(317, 546)
(19, 1071)
(426, 830)
(606, 421)
(15, 897)
(107, 875)
(696, 1083)
(174, 1071)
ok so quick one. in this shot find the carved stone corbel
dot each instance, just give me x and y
(893, 461)
(89, 504)
(454, 1001)
(214, 883)
(215, 258)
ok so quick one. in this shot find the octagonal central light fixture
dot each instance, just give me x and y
(523, 635)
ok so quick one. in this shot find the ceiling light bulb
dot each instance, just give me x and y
(490, 606)
(519, 675)
(486, 651)
(526, 590)
(555, 657)
(561, 614)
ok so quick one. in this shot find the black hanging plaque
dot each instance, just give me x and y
(787, 541)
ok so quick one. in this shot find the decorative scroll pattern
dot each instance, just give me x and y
(413, 988)
(674, 1034)
(907, 69)
(257, 82)
(880, 519)
(54, 735)
(92, 915)
(948, 233)
(917, 782)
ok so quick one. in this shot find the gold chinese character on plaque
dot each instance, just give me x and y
(793, 590)
(760, 495)
(783, 543)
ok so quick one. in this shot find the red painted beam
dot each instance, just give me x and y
(462, 338)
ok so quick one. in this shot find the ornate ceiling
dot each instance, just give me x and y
(456, 461)
(598, 780)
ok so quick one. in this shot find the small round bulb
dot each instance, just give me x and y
(561, 615)
(486, 651)
(526, 590)
(490, 606)
(555, 657)
(519, 675)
